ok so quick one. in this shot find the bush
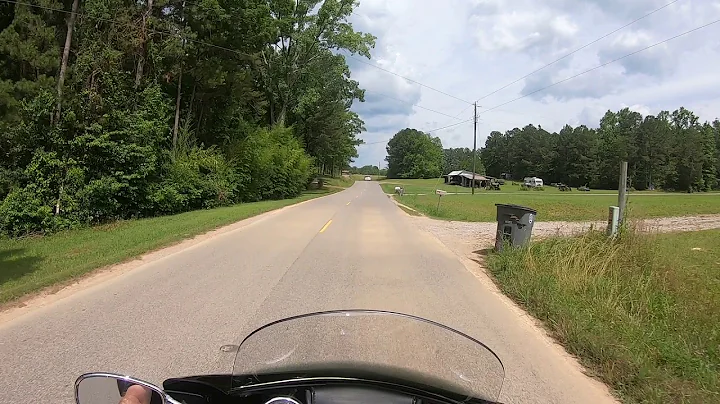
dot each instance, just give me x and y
(272, 163)
(23, 212)
(196, 179)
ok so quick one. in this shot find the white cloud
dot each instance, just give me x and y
(470, 48)
(657, 61)
(642, 109)
(521, 29)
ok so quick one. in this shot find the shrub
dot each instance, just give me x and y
(196, 179)
(272, 163)
(23, 212)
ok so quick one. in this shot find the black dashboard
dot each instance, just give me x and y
(206, 390)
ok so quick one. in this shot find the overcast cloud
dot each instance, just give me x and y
(469, 48)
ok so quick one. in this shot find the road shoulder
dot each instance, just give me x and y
(49, 295)
(473, 262)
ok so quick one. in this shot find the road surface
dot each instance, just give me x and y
(353, 249)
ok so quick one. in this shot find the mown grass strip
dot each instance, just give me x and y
(30, 264)
(642, 312)
(562, 207)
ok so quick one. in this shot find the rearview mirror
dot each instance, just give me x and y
(108, 388)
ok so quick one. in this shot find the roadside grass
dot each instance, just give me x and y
(642, 312)
(428, 186)
(559, 207)
(30, 264)
(339, 182)
(421, 186)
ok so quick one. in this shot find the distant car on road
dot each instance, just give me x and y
(367, 178)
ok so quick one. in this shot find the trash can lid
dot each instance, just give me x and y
(504, 205)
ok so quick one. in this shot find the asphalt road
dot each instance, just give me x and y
(353, 249)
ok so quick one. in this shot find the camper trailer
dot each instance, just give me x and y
(533, 182)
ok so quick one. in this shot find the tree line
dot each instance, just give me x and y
(119, 109)
(368, 170)
(415, 154)
(670, 150)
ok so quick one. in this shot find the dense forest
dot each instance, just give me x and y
(114, 109)
(671, 151)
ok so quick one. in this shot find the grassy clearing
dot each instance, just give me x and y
(554, 207)
(428, 186)
(339, 182)
(30, 264)
(643, 313)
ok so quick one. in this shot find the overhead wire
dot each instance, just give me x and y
(573, 52)
(245, 54)
(406, 78)
(233, 50)
(117, 21)
(411, 103)
(426, 131)
(602, 65)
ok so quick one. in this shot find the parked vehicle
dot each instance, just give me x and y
(533, 182)
(358, 356)
(368, 178)
(493, 185)
(563, 187)
(584, 188)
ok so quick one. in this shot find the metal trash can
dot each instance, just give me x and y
(514, 225)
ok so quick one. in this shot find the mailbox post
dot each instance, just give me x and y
(440, 193)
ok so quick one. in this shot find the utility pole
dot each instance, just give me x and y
(622, 189)
(474, 145)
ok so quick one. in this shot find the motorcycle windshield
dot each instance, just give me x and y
(358, 343)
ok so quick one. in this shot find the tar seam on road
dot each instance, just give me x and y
(326, 226)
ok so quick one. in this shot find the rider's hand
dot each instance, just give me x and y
(136, 395)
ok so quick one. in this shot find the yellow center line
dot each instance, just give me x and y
(326, 226)
(348, 203)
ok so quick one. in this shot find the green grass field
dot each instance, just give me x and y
(551, 204)
(30, 264)
(427, 186)
(642, 313)
(338, 182)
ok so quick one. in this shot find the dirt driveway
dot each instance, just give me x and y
(467, 237)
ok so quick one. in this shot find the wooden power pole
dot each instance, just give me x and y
(472, 185)
(622, 189)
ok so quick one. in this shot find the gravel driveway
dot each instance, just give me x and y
(467, 237)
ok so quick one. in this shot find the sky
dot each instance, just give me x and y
(470, 48)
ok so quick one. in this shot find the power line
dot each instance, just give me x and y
(398, 75)
(576, 50)
(408, 79)
(603, 65)
(118, 22)
(236, 51)
(413, 104)
(425, 131)
(448, 126)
